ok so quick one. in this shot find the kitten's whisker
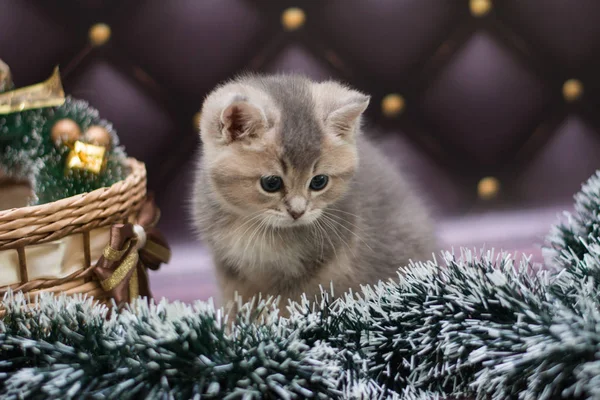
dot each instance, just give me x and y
(263, 236)
(342, 211)
(322, 235)
(256, 230)
(243, 236)
(248, 218)
(328, 224)
(272, 230)
(254, 221)
(266, 234)
(329, 217)
(332, 227)
(261, 239)
(349, 230)
(253, 227)
(330, 214)
(259, 243)
(320, 238)
(344, 242)
(330, 242)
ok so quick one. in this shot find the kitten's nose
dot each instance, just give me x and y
(296, 214)
(296, 206)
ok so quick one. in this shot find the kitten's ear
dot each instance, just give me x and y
(343, 120)
(241, 119)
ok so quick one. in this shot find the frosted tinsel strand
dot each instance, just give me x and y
(476, 326)
(423, 325)
(157, 351)
(572, 247)
(580, 278)
(566, 242)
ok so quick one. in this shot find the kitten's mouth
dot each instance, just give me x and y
(284, 220)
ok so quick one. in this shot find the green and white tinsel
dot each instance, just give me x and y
(474, 325)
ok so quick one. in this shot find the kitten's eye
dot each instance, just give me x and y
(271, 183)
(318, 182)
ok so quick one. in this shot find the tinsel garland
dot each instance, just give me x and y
(474, 325)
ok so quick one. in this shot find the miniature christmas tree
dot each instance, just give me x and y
(59, 145)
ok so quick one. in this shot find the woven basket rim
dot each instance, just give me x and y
(80, 213)
(137, 170)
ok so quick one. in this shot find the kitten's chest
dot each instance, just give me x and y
(264, 251)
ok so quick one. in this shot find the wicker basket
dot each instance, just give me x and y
(67, 224)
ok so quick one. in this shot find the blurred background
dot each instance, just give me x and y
(489, 106)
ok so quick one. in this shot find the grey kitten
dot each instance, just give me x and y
(290, 196)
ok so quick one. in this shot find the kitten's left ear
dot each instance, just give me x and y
(344, 119)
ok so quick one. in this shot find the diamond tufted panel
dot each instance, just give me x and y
(473, 103)
(364, 33)
(190, 45)
(32, 42)
(575, 143)
(566, 34)
(491, 107)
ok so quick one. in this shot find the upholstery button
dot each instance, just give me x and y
(293, 18)
(572, 90)
(196, 120)
(99, 34)
(480, 8)
(488, 188)
(392, 105)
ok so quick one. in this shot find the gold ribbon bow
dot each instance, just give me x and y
(49, 93)
(131, 250)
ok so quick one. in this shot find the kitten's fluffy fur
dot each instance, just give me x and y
(363, 226)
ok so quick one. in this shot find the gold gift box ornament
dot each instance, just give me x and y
(88, 157)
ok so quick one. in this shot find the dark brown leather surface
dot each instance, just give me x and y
(483, 95)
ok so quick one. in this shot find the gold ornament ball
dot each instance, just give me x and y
(98, 135)
(479, 8)
(65, 131)
(392, 105)
(572, 90)
(293, 18)
(488, 188)
(99, 34)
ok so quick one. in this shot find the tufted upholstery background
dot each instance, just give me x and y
(482, 88)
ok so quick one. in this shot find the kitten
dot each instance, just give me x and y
(289, 195)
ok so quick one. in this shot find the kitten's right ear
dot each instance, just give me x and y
(241, 119)
(231, 120)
